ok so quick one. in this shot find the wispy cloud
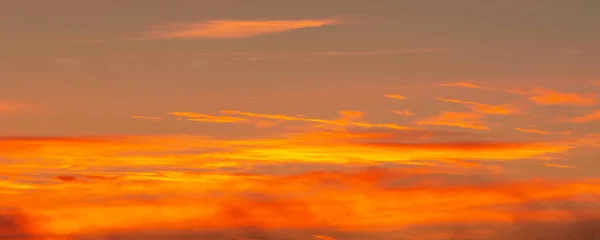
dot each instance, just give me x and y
(559, 166)
(404, 112)
(456, 119)
(347, 119)
(154, 119)
(232, 29)
(395, 96)
(531, 130)
(552, 97)
(462, 84)
(504, 109)
(592, 116)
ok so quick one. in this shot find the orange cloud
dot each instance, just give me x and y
(321, 237)
(367, 199)
(593, 116)
(456, 119)
(394, 96)
(596, 83)
(531, 130)
(198, 117)
(559, 166)
(462, 84)
(232, 29)
(483, 108)
(342, 122)
(404, 112)
(154, 119)
(551, 97)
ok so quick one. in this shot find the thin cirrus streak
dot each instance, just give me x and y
(532, 130)
(540, 96)
(504, 109)
(404, 112)
(593, 116)
(232, 29)
(456, 119)
(395, 96)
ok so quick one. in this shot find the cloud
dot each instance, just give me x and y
(232, 29)
(261, 206)
(483, 108)
(456, 119)
(593, 116)
(404, 112)
(198, 117)
(596, 83)
(14, 225)
(154, 119)
(559, 166)
(531, 130)
(344, 121)
(462, 84)
(552, 97)
(395, 96)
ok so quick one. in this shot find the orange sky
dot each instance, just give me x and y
(323, 120)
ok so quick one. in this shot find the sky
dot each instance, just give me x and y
(298, 120)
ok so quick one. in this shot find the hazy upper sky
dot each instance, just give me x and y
(255, 120)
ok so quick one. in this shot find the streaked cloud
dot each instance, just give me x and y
(559, 166)
(232, 29)
(592, 116)
(531, 130)
(504, 109)
(395, 96)
(456, 119)
(552, 97)
(404, 112)
(154, 119)
(462, 84)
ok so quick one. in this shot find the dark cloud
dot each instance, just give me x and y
(14, 225)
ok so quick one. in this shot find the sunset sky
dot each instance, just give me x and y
(299, 120)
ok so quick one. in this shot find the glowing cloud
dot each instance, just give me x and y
(232, 29)
(456, 119)
(395, 96)
(483, 108)
(154, 119)
(404, 112)
(531, 130)
(559, 166)
(461, 84)
(593, 116)
(551, 97)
